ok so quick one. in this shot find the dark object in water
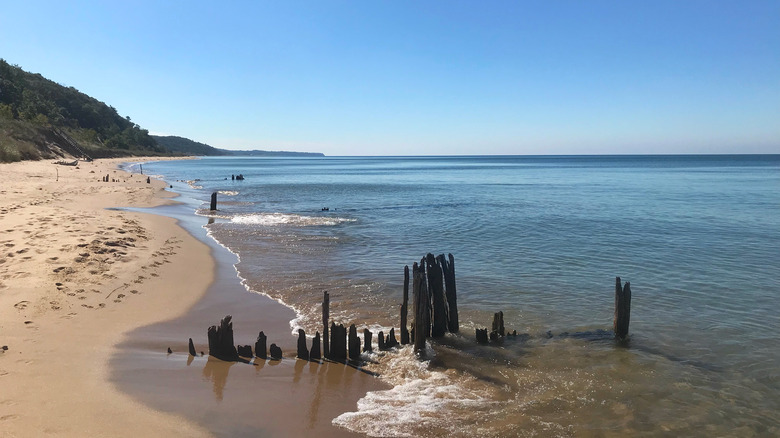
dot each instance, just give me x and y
(303, 351)
(169, 350)
(213, 201)
(260, 349)
(276, 352)
(367, 335)
(221, 340)
(245, 350)
(325, 316)
(482, 336)
(192, 349)
(353, 343)
(239, 177)
(622, 309)
(314, 354)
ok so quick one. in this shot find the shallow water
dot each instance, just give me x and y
(541, 239)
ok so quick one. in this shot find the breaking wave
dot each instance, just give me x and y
(274, 219)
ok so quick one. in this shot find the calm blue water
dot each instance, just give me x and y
(542, 239)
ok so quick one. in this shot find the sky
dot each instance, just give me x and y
(420, 77)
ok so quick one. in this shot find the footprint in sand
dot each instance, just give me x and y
(9, 417)
(21, 305)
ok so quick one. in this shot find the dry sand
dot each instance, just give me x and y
(74, 277)
(91, 298)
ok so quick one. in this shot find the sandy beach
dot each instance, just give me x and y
(74, 277)
(91, 297)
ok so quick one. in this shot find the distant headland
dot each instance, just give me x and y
(186, 146)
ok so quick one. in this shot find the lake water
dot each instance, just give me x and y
(541, 239)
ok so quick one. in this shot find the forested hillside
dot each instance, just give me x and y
(42, 119)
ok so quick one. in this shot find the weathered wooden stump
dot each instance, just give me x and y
(381, 341)
(276, 352)
(213, 201)
(498, 325)
(325, 316)
(260, 346)
(436, 290)
(244, 351)
(148, 180)
(303, 351)
(192, 348)
(448, 268)
(354, 343)
(367, 335)
(405, 308)
(391, 341)
(314, 354)
(482, 336)
(422, 313)
(622, 309)
(338, 342)
(221, 343)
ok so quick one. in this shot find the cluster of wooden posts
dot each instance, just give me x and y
(435, 312)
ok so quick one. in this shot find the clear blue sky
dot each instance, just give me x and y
(421, 78)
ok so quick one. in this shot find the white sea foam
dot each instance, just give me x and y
(228, 192)
(417, 399)
(274, 219)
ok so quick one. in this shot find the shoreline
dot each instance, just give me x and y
(75, 276)
(290, 397)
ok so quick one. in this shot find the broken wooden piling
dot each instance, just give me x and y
(303, 351)
(314, 354)
(260, 346)
(221, 343)
(353, 343)
(338, 342)
(192, 348)
(436, 291)
(422, 313)
(325, 316)
(405, 308)
(367, 335)
(622, 309)
(448, 269)
(213, 201)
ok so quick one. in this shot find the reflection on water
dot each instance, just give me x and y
(217, 372)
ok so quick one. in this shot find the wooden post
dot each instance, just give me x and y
(338, 342)
(192, 349)
(367, 335)
(436, 289)
(391, 340)
(303, 351)
(405, 308)
(482, 336)
(315, 348)
(325, 316)
(622, 309)
(221, 343)
(498, 325)
(276, 352)
(452, 298)
(213, 201)
(422, 315)
(260, 348)
(353, 343)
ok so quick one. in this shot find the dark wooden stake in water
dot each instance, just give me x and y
(244, 351)
(367, 335)
(276, 352)
(221, 343)
(260, 346)
(192, 349)
(482, 336)
(448, 268)
(498, 326)
(303, 350)
(315, 348)
(436, 290)
(325, 316)
(354, 343)
(213, 201)
(622, 309)
(405, 308)
(338, 342)
(422, 312)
